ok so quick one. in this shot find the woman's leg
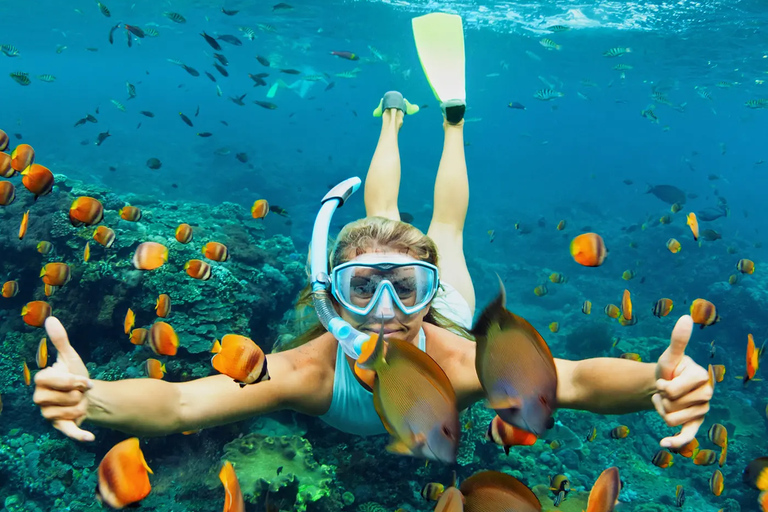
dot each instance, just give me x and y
(382, 183)
(450, 211)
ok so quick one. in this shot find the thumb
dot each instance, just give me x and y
(675, 353)
(58, 336)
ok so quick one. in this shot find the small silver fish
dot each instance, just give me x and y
(46, 78)
(151, 32)
(616, 52)
(547, 94)
(119, 105)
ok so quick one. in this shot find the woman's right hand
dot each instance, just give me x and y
(60, 391)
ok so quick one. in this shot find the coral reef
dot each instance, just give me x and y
(273, 463)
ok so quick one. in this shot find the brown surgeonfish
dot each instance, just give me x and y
(493, 491)
(605, 493)
(233, 497)
(242, 359)
(515, 367)
(86, 211)
(450, 500)
(414, 399)
(123, 478)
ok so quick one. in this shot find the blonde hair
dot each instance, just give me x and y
(356, 238)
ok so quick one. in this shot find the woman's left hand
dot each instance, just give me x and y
(683, 390)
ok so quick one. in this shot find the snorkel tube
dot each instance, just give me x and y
(350, 339)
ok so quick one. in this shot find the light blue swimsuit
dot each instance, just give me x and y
(352, 408)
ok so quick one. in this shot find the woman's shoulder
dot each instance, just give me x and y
(444, 345)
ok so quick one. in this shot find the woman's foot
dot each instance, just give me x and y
(453, 111)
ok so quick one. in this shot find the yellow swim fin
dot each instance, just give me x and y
(440, 44)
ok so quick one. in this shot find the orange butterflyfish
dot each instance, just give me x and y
(723, 455)
(198, 269)
(753, 359)
(215, 251)
(162, 339)
(130, 213)
(541, 290)
(612, 311)
(154, 368)
(42, 354)
(44, 247)
(37, 179)
(694, 224)
(260, 209)
(56, 274)
(620, 432)
(711, 379)
(4, 139)
(589, 250)
(625, 322)
(662, 459)
(627, 275)
(745, 266)
(605, 493)
(129, 322)
(216, 347)
(184, 233)
(632, 356)
(86, 211)
(87, 252)
(557, 278)
(34, 313)
(7, 193)
(592, 435)
(716, 484)
(22, 157)
(123, 475)
(493, 491)
(450, 500)
(233, 496)
(756, 474)
(27, 374)
(150, 255)
(719, 370)
(718, 434)
(104, 236)
(704, 312)
(762, 500)
(662, 308)
(6, 170)
(586, 307)
(139, 336)
(163, 305)
(733, 279)
(626, 305)
(561, 225)
(705, 458)
(673, 246)
(48, 290)
(10, 289)
(432, 491)
(505, 435)
(688, 450)
(241, 359)
(24, 225)
(554, 326)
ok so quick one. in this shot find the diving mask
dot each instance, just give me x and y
(361, 286)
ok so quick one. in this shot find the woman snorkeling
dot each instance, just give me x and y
(384, 276)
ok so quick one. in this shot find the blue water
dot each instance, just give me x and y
(562, 159)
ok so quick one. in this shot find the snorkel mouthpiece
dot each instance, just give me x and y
(350, 339)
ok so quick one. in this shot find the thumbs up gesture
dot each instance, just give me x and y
(683, 390)
(60, 391)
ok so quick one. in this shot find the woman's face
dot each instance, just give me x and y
(396, 324)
